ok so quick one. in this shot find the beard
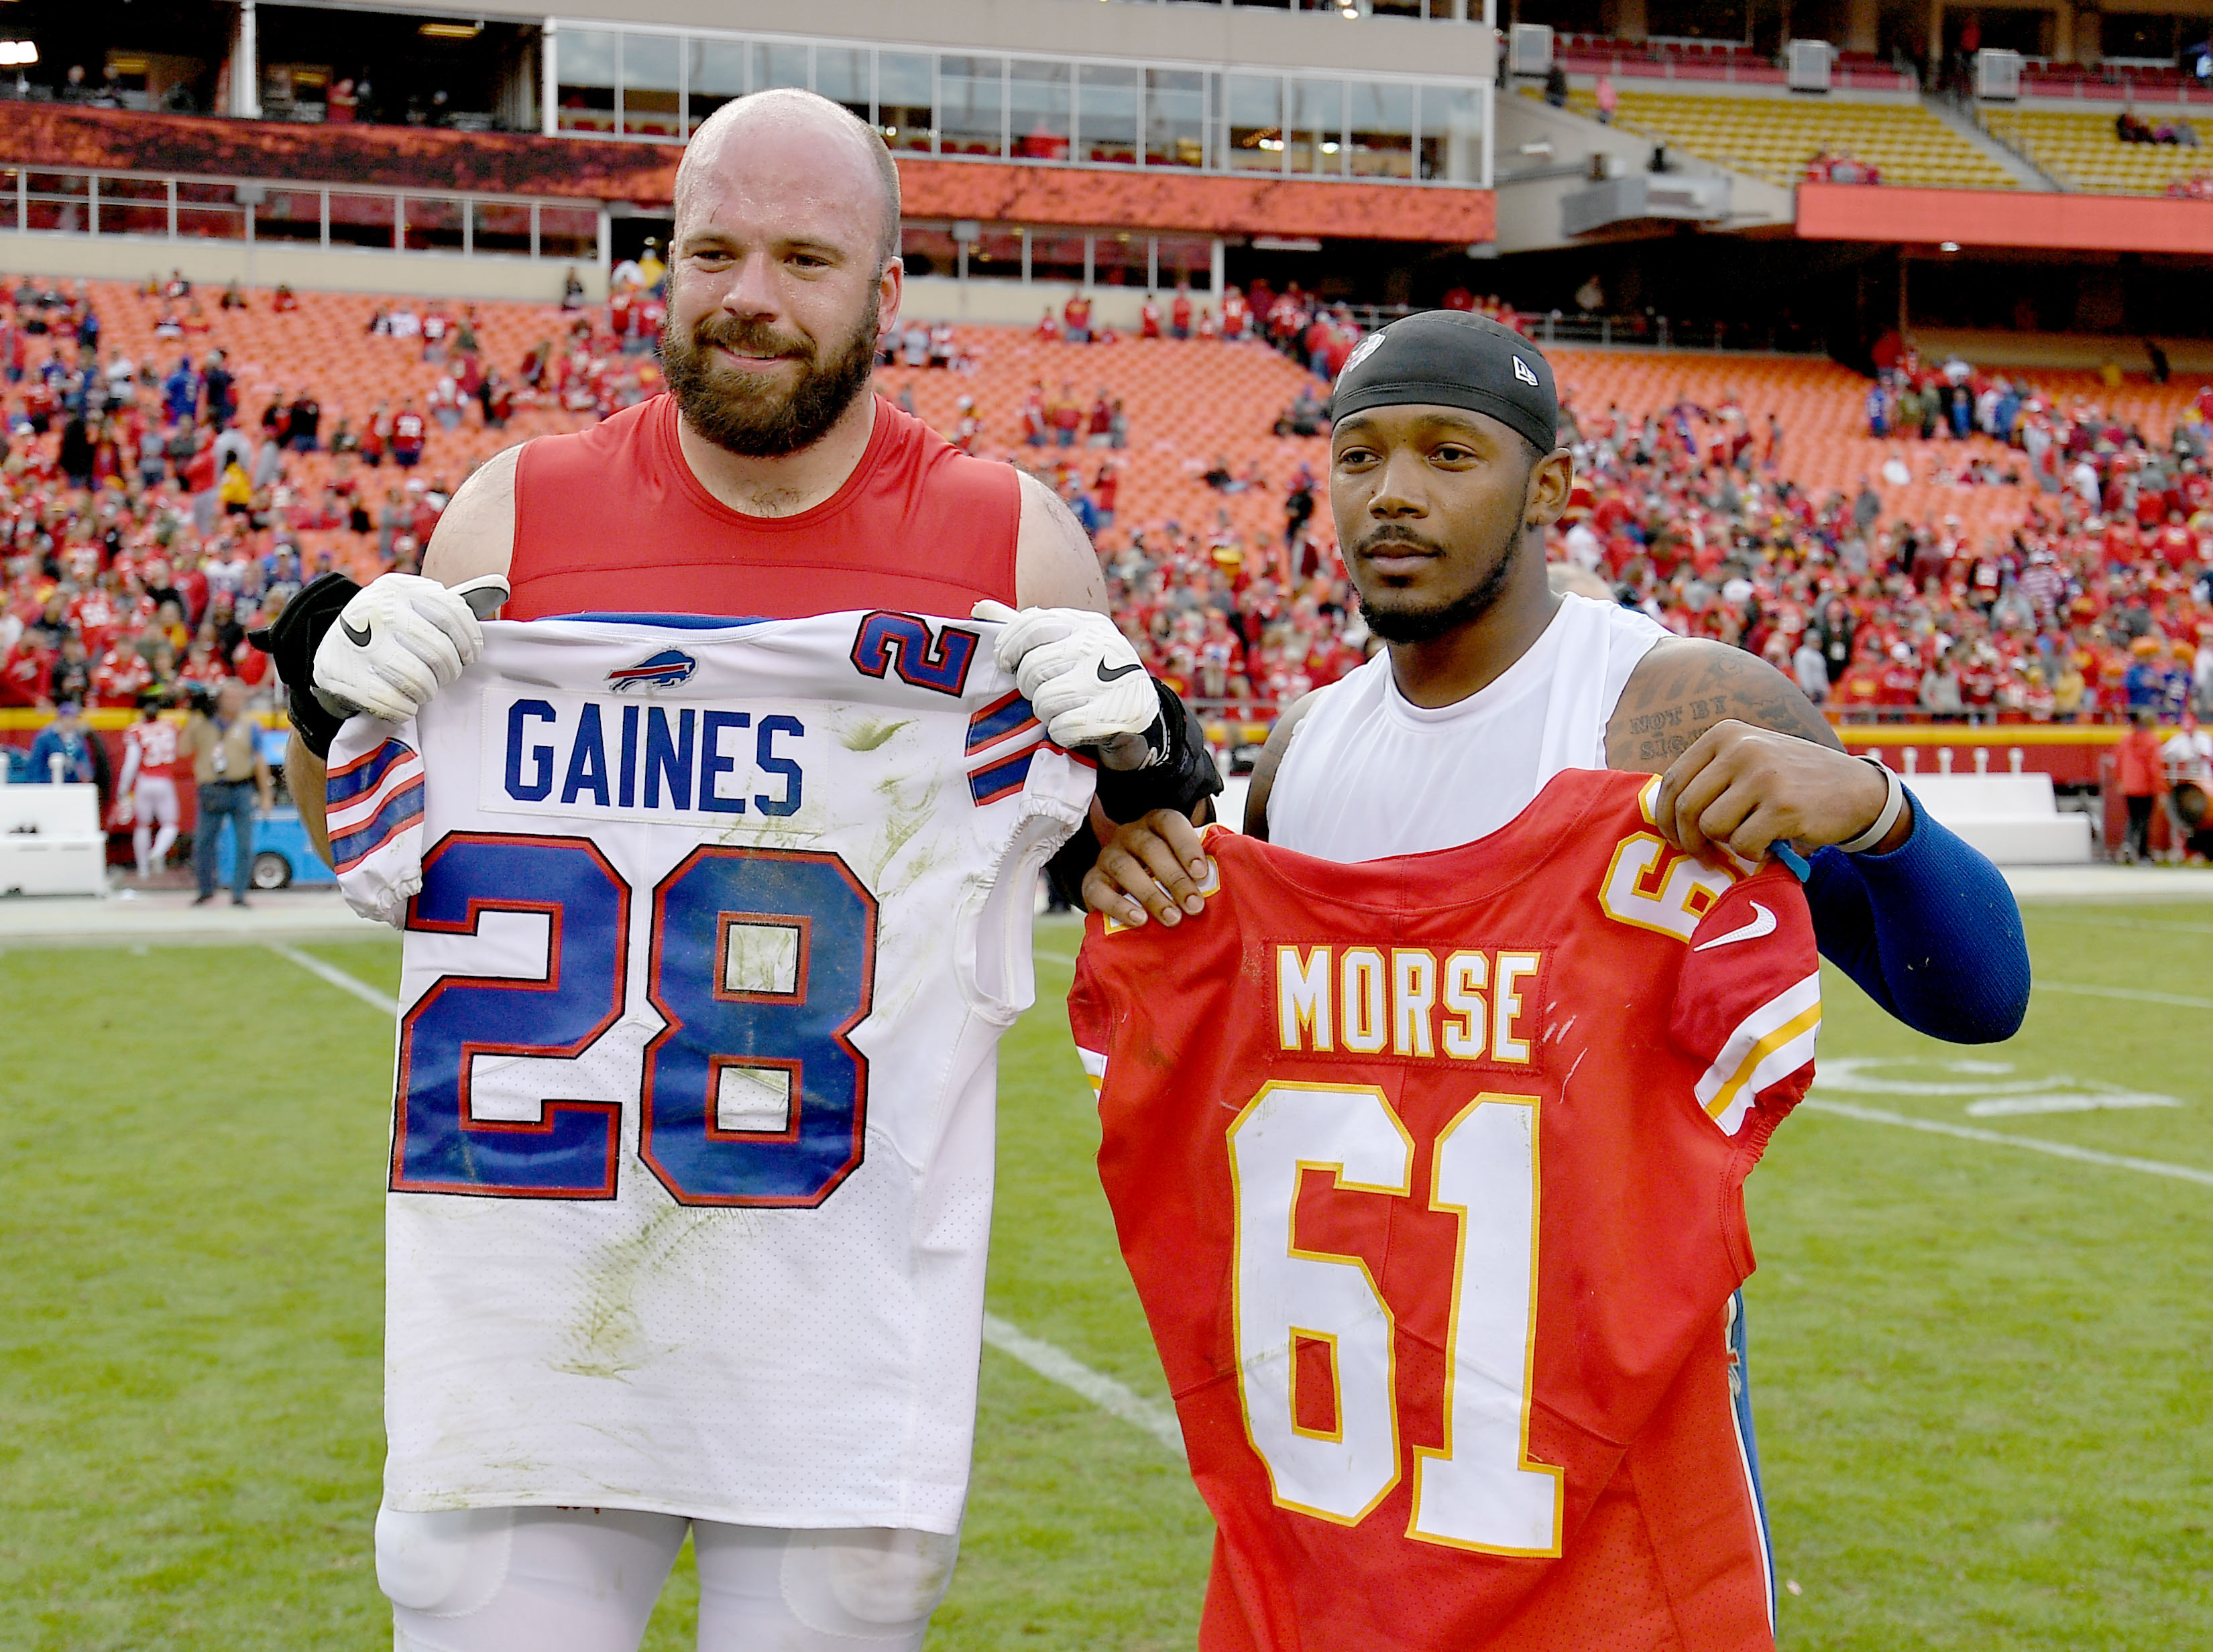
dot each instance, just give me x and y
(746, 413)
(1426, 624)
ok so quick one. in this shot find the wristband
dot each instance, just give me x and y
(1179, 772)
(290, 643)
(1893, 805)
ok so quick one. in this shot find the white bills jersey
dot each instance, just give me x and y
(712, 928)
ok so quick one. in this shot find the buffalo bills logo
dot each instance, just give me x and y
(669, 668)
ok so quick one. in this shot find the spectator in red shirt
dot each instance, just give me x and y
(408, 434)
(24, 674)
(1099, 428)
(2137, 772)
(1067, 415)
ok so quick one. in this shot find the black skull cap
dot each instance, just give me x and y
(1451, 358)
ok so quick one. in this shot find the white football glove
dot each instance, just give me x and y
(400, 641)
(1079, 674)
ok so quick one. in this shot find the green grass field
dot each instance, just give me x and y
(1981, 1371)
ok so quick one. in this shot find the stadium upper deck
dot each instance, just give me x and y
(1041, 142)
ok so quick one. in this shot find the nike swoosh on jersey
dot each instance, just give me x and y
(1763, 922)
(1106, 676)
(359, 639)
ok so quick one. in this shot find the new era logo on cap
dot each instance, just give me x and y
(1524, 372)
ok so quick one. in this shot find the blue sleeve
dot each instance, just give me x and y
(1930, 932)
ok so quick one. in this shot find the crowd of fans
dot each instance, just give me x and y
(2098, 603)
(149, 516)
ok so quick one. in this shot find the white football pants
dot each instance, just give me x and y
(154, 799)
(585, 1579)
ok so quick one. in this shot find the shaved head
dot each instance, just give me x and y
(843, 143)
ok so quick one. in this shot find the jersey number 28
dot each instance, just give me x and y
(761, 964)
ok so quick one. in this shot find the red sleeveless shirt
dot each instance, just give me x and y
(611, 520)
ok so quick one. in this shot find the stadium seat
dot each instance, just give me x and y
(2081, 150)
(1773, 139)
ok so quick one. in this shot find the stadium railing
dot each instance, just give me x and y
(1729, 63)
(187, 208)
(2110, 83)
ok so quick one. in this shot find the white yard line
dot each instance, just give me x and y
(1102, 1390)
(338, 978)
(1053, 957)
(2134, 995)
(2001, 1138)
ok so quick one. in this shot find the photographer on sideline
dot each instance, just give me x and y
(226, 752)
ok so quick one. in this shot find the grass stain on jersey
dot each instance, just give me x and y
(902, 821)
(608, 1337)
(868, 734)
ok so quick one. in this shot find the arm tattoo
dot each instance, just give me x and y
(1682, 688)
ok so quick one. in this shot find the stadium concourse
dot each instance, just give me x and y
(1739, 497)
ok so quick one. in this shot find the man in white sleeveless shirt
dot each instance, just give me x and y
(1445, 471)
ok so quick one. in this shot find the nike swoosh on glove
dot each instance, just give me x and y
(400, 641)
(1077, 671)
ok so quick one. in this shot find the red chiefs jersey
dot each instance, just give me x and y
(155, 744)
(613, 520)
(1428, 1171)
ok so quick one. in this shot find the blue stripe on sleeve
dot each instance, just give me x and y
(401, 810)
(363, 774)
(1000, 780)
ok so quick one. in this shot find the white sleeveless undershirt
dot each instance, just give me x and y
(1369, 774)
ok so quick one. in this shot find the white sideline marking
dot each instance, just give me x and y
(1102, 1390)
(338, 978)
(1053, 957)
(2133, 994)
(2001, 1139)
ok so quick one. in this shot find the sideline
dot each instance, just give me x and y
(2002, 1138)
(1101, 1390)
(338, 978)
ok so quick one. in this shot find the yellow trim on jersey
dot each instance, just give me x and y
(1750, 1058)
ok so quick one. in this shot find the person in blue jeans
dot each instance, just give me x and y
(233, 780)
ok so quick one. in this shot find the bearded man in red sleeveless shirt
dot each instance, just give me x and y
(769, 482)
